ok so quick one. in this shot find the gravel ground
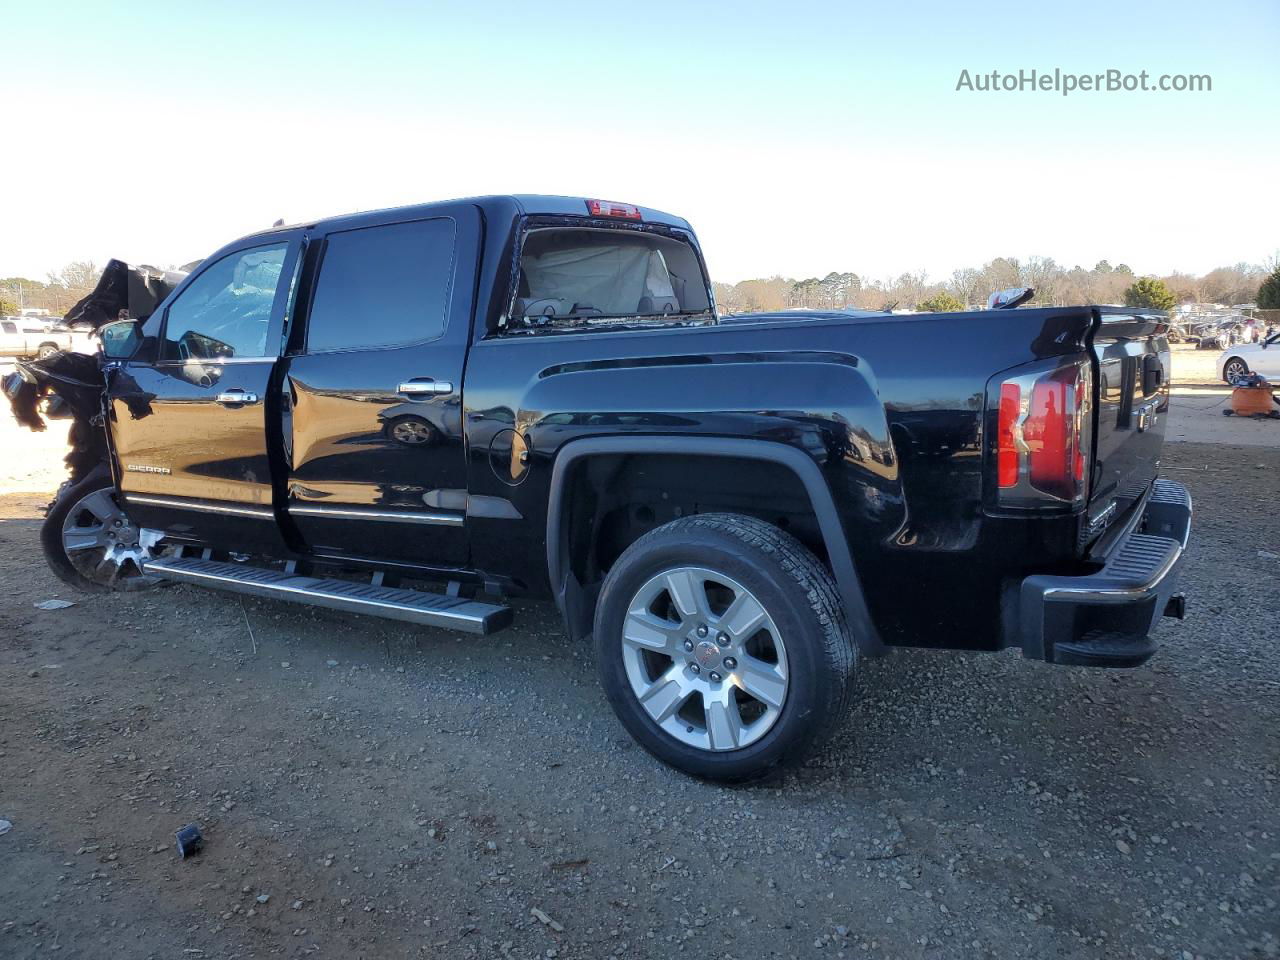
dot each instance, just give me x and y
(403, 792)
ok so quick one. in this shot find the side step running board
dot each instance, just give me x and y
(415, 606)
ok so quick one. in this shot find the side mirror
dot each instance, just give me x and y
(120, 339)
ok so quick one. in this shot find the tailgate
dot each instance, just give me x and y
(1132, 377)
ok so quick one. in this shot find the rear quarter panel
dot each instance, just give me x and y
(892, 411)
(709, 381)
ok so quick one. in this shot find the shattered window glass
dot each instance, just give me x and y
(226, 310)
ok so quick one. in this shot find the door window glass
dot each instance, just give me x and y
(226, 310)
(381, 286)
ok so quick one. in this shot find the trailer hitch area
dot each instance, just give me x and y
(1176, 606)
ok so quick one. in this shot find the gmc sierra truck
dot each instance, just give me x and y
(535, 396)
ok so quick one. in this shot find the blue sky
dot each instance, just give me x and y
(798, 137)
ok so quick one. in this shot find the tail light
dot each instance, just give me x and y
(1043, 437)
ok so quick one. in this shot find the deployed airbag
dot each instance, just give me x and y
(613, 279)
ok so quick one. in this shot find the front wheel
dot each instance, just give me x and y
(90, 543)
(1234, 369)
(722, 646)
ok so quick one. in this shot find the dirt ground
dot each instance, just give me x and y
(370, 789)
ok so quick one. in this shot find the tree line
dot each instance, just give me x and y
(969, 287)
(966, 288)
(57, 294)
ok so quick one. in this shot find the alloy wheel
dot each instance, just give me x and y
(102, 544)
(412, 432)
(704, 659)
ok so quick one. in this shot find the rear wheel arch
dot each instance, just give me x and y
(577, 601)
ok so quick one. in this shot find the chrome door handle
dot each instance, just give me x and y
(425, 387)
(237, 396)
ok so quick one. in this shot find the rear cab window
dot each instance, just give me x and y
(597, 276)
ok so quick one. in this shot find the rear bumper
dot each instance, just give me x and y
(1104, 618)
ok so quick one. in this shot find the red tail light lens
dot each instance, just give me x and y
(1052, 432)
(1006, 449)
(1042, 450)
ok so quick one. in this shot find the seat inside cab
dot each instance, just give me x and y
(585, 274)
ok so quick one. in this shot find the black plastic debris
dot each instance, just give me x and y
(189, 840)
(124, 289)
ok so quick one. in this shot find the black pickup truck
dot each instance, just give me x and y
(535, 396)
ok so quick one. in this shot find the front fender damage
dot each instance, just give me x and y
(69, 385)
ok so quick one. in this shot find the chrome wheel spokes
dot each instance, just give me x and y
(704, 659)
(100, 541)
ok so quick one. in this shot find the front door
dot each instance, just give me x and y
(372, 392)
(189, 416)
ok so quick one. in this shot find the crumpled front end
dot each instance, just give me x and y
(60, 387)
(71, 386)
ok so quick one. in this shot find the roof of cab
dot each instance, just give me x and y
(539, 205)
(529, 204)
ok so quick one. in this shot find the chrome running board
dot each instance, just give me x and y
(393, 603)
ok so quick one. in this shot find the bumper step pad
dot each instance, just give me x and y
(393, 603)
(1105, 648)
(1104, 619)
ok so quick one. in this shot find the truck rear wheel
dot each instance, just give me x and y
(90, 543)
(722, 646)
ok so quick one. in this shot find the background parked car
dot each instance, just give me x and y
(1241, 359)
(32, 337)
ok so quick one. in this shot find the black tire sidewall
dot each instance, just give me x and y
(803, 713)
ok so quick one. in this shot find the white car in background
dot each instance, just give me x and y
(1244, 358)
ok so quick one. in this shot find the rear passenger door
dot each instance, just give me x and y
(372, 393)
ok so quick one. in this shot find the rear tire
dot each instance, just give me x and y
(46, 351)
(684, 680)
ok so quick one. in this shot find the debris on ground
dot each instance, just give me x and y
(54, 604)
(543, 918)
(189, 840)
(5, 827)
